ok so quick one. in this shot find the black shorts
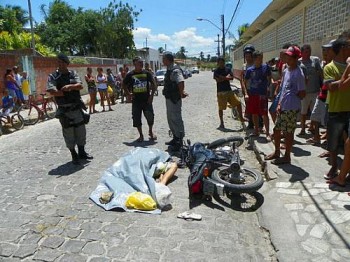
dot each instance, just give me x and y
(137, 109)
(337, 124)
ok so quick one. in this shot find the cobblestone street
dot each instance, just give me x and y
(46, 213)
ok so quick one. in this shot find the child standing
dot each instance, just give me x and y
(292, 91)
(258, 79)
(7, 105)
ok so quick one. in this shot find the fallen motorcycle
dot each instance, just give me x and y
(215, 168)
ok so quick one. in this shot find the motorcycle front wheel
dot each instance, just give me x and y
(249, 181)
(238, 140)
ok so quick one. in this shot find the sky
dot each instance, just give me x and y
(172, 24)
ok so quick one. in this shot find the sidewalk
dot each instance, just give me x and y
(315, 214)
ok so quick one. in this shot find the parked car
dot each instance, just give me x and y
(195, 70)
(160, 74)
(187, 73)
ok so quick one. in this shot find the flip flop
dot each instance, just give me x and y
(332, 182)
(324, 154)
(313, 142)
(189, 216)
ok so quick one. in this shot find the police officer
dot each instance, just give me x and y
(174, 91)
(65, 85)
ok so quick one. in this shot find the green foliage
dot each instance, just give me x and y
(79, 61)
(13, 18)
(105, 33)
(181, 53)
(22, 40)
(161, 50)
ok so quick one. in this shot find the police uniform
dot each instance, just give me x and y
(173, 77)
(70, 113)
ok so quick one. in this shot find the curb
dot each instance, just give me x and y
(265, 165)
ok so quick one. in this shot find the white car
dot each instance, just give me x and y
(160, 74)
(195, 70)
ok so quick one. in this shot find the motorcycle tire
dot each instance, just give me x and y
(226, 141)
(254, 181)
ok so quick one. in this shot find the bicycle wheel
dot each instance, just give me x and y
(2, 123)
(50, 109)
(17, 121)
(226, 141)
(249, 180)
(30, 116)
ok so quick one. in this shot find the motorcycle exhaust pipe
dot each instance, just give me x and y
(235, 164)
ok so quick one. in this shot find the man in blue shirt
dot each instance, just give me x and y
(258, 78)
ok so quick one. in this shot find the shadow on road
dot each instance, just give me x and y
(298, 152)
(245, 202)
(297, 173)
(227, 130)
(140, 144)
(65, 169)
(197, 202)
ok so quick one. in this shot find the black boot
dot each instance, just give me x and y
(83, 154)
(75, 157)
(176, 146)
(171, 142)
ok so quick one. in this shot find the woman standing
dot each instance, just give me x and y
(11, 84)
(91, 83)
(101, 79)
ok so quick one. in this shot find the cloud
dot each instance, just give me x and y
(188, 38)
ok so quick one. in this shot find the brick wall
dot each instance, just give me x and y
(40, 67)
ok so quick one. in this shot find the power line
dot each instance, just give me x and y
(234, 13)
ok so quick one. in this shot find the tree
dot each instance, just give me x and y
(241, 29)
(181, 53)
(201, 56)
(116, 39)
(161, 50)
(208, 57)
(106, 32)
(13, 18)
(57, 31)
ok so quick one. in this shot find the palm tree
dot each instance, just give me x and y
(241, 29)
(161, 50)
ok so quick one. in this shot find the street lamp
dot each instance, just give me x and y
(222, 29)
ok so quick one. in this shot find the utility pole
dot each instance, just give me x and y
(218, 41)
(31, 26)
(223, 36)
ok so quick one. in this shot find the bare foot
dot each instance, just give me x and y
(337, 181)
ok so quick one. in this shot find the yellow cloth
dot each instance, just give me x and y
(338, 101)
(25, 87)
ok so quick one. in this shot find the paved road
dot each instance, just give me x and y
(308, 218)
(46, 214)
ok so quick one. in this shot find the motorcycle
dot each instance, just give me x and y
(216, 169)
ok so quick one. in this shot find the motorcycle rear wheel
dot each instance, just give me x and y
(252, 180)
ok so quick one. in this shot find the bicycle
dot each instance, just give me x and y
(16, 121)
(216, 168)
(32, 112)
(238, 91)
